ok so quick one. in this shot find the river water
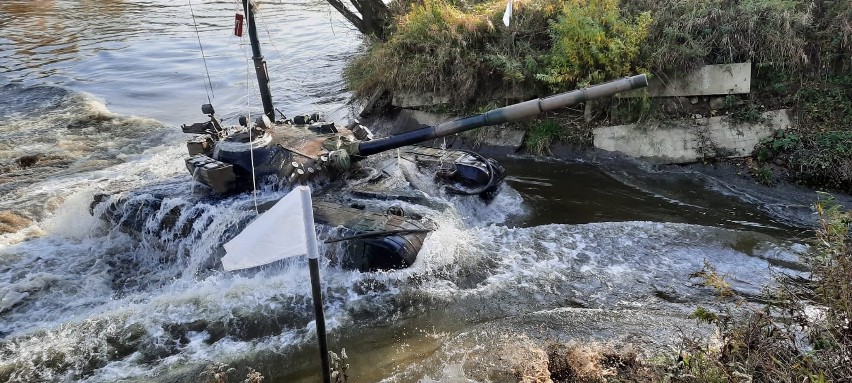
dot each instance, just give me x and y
(91, 94)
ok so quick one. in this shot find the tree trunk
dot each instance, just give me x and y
(370, 16)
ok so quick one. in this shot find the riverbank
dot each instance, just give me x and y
(458, 58)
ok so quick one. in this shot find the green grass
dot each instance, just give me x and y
(820, 159)
(541, 135)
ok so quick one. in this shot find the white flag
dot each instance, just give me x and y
(508, 14)
(286, 230)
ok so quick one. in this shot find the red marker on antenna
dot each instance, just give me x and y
(238, 25)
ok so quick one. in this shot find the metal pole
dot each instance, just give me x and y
(259, 64)
(313, 265)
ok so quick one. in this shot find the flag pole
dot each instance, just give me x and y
(313, 265)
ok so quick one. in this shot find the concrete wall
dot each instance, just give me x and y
(708, 80)
(683, 141)
(410, 100)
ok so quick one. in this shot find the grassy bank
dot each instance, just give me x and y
(801, 52)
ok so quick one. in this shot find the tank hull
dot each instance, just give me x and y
(368, 240)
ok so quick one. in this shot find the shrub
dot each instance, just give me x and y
(466, 54)
(428, 52)
(593, 42)
(826, 105)
(818, 158)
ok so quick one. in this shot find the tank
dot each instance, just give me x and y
(270, 150)
(306, 150)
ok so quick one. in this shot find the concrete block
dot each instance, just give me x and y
(503, 137)
(426, 118)
(407, 100)
(709, 80)
(683, 141)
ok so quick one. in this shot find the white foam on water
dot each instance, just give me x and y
(450, 372)
(72, 219)
(476, 212)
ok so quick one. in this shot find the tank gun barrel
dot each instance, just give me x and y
(500, 115)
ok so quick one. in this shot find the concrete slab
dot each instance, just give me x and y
(426, 118)
(709, 80)
(410, 100)
(684, 141)
(499, 136)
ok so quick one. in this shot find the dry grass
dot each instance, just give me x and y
(834, 28)
(574, 362)
(461, 52)
(529, 363)
(802, 335)
(222, 373)
(579, 363)
(690, 33)
(710, 278)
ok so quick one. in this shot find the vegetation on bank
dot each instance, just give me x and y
(460, 51)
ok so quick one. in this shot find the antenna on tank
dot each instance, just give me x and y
(259, 62)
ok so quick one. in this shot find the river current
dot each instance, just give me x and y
(91, 97)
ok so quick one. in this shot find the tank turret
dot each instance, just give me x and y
(306, 149)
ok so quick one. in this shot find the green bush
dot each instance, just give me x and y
(428, 52)
(593, 42)
(463, 55)
(827, 105)
(468, 56)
